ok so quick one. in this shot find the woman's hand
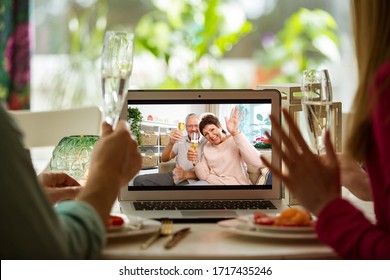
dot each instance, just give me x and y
(314, 180)
(59, 186)
(178, 172)
(192, 155)
(233, 122)
(355, 178)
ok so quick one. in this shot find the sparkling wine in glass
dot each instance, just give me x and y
(194, 141)
(317, 106)
(116, 67)
(181, 125)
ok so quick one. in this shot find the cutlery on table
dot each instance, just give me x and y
(176, 237)
(165, 230)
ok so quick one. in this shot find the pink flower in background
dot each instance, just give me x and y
(262, 142)
(262, 139)
(17, 56)
(17, 101)
(13, 102)
(268, 40)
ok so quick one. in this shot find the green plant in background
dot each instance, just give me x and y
(77, 80)
(255, 131)
(262, 125)
(189, 37)
(307, 39)
(261, 143)
(258, 130)
(135, 118)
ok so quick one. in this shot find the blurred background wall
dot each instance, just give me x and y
(189, 44)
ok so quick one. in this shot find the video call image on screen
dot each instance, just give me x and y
(160, 120)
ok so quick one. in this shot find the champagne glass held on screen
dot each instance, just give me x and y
(116, 67)
(317, 106)
(181, 125)
(194, 141)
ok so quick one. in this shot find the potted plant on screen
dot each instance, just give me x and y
(260, 127)
(135, 118)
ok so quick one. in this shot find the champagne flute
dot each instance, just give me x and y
(181, 125)
(116, 67)
(317, 106)
(194, 141)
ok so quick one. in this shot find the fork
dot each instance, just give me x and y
(165, 230)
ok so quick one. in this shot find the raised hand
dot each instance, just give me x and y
(115, 161)
(314, 180)
(175, 136)
(233, 121)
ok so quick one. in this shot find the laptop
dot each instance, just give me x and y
(164, 109)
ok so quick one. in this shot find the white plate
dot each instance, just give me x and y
(285, 229)
(249, 220)
(148, 226)
(238, 226)
(129, 222)
(125, 224)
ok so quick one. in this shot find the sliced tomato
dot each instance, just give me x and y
(258, 214)
(265, 221)
(115, 220)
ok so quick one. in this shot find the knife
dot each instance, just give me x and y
(176, 237)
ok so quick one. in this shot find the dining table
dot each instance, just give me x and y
(209, 241)
(213, 241)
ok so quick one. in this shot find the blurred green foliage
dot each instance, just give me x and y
(308, 38)
(86, 29)
(77, 80)
(189, 37)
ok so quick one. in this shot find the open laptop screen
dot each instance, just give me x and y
(162, 110)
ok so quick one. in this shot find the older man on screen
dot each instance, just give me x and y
(178, 145)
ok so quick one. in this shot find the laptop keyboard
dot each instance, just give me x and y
(203, 205)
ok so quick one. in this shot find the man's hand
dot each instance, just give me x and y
(59, 186)
(175, 136)
(115, 160)
(178, 172)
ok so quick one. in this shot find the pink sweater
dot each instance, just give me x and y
(340, 224)
(225, 164)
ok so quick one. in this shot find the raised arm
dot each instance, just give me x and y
(233, 121)
(167, 153)
(114, 162)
